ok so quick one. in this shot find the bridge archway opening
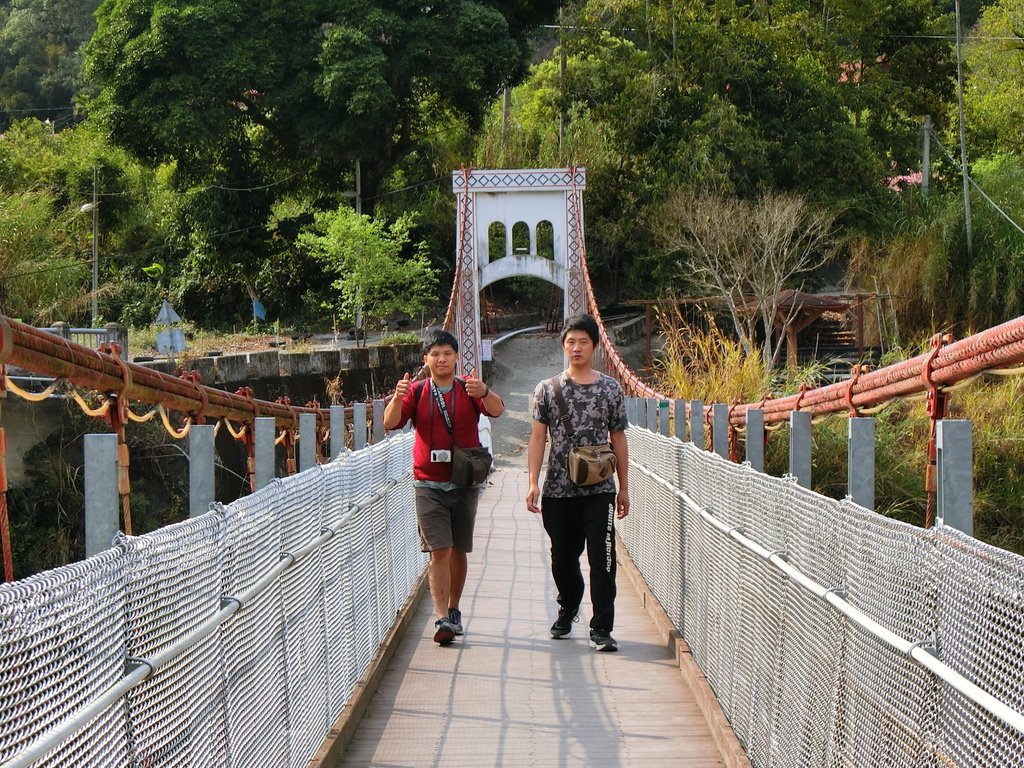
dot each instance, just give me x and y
(521, 226)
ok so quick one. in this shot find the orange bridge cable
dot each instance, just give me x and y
(44, 354)
(958, 362)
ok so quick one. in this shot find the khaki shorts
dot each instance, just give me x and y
(446, 518)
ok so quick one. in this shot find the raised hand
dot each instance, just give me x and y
(403, 386)
(474, 386)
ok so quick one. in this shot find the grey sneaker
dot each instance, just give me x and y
(602, 641)
(455, 619)
(444, 632)
(563, 624)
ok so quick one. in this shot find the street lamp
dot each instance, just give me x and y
(94, 207)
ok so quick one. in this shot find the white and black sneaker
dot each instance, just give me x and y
(563, 624)
(602, 641)
(455, 619)
(444, 632)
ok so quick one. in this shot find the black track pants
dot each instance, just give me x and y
(571, 523)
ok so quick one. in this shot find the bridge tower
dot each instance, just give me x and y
(515, 197)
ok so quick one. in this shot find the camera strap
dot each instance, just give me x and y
(439, 400)
(563, 409)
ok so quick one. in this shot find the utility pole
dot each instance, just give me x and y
(94, 208)
(926, 155)
(561, 83)
(963, 134)
(506, 107)
(359, 189)
(356, 195)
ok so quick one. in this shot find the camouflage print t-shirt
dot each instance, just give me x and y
(596, 410)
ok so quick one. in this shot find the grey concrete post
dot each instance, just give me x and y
(378, 420)
(201, 461)
(337, 430)
(680, 418)
(641, 412)
(118, 334)
(954, 448)
(264, 435)
(62, 329)
(800, 447)
(720, 429)
(101, 501)
(307, 441)
(663, 417)
(651, 413)
(631, 410)
(697, 423)
(358, 425)
(755, 438)
(860, 461)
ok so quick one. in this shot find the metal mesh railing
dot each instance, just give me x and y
(832, 636)
(232, 639)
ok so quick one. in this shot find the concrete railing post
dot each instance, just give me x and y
(755, 439)
(264, 435)
(954, 449)
(697, 423)
(307, 441)
(201, 462)
(800, 447)
(651, 413)
(663, 418)
(860, 461)
(118, 334)
(102, 503)
(337, 431)
(679, 414)
(358, 425)
(62, 329)
(720, 429)
(378, 421)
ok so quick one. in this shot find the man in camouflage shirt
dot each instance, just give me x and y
(576, 515)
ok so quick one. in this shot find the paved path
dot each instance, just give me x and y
(506, 694)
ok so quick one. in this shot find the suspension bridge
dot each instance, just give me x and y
(761, 623)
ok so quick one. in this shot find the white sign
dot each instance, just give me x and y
(486, 350)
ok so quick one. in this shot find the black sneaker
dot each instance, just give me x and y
(444, 632)
(563, 624)
(455, 619)
(602, 641)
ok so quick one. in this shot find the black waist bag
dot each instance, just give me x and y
(470, 466)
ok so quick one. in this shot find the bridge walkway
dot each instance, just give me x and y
(506, 694)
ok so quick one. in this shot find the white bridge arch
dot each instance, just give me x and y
(511, 197)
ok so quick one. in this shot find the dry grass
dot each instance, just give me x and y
(705, 364)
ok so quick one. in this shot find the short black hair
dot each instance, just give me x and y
(438, 338)
(585, 323)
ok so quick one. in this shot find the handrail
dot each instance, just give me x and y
(140, 670)
(44, 353)
(914, 650)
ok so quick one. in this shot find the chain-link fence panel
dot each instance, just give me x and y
(809, 616)
(233, 639)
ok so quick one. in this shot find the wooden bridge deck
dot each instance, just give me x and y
(506, 694)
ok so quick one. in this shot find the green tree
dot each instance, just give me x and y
(895, 67)
(255, 103)
(994, 96)
(40, 56)
(42, 266)
(378, 271)
(311, 86)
